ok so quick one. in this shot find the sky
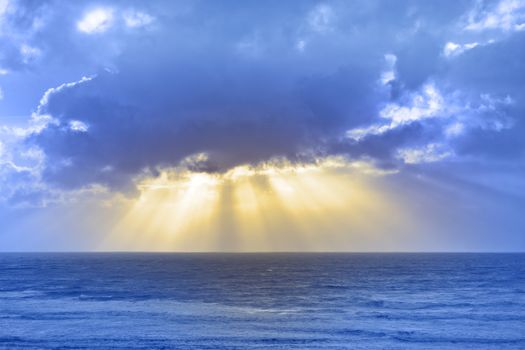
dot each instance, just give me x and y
(262, 125)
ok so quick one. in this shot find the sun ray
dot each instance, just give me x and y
(272, 206)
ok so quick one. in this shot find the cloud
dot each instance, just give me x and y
(321, 18)
(429, 153)
(29, 53)
(51, 91)
(133, 130)
(78, 126)
(19, 23)
(301, 45)
(137, 19)
(428, 103)
(20, 164)
(506, 15)
(389, 75)
(453, 49)
(97, 20)
(3, 6)
(245, 84)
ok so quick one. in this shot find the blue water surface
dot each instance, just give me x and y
(262, 301)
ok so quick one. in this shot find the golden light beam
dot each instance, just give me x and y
(274, 206)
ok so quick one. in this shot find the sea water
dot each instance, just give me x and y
(262, 301)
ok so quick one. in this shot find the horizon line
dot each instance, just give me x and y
(252, 252)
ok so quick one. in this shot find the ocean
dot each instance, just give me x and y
(262, 301)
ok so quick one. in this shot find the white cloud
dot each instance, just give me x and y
(507, 15)
(457, 115)
(78, 126)
(96, 21)
(16, 156)
(21, 165)
(4, 4)
(38, 120)
(21, 173)
(321, 18)
(490, 113)
(426, 104)
(390, 73)
(300, 45)
(452, 49)
(137, 19)
(454, 129)
(5, 8)
(432, 152)
(29, 53)
(45, 98)
(358, 134)
(35, 124)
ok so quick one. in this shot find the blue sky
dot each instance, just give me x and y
(426, 96)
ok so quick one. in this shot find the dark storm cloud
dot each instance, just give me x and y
(244, 82)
